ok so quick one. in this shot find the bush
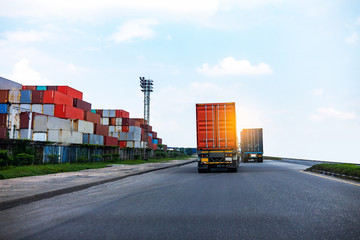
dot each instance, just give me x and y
(136, 156)
(22, 159)
(82, 159)
(96, 158)
(5, 158)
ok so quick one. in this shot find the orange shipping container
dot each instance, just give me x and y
(216, 126)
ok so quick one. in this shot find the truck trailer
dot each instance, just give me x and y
(217, 142)
(252, 145)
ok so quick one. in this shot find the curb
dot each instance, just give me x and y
(40, 196)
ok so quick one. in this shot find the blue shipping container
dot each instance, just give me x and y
(85, 138)
(155, 141)
(41, 88)
(93, 110)
(25, 96)
(3, 108)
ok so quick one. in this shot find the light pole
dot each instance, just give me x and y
(146, 87)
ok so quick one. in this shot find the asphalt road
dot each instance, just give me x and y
(270, 200)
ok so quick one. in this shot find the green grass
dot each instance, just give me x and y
(339, 168)
(272, 158)
(36, 170)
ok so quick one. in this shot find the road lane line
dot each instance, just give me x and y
(318, 175)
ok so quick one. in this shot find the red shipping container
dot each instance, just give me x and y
(125, 128)
(154, 134)
(64, 111)
(92, 117)
(165, 148)
(24, 120)
(29, 88)
(3, 119)
(55, 97)
(54, 88)
(216, 126)
(70, 91)
(37, 97)
(160, 140)
(125, 122)
(122, 144)
(81, 104)
(141, 120)
(134, 122)
(154, 146)
(122, 114)
(4, 96)
(3, 131)
(101, 129)
(110, 141)
(99, 111)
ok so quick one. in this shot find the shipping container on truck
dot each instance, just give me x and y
(217, 143)
(252, 145)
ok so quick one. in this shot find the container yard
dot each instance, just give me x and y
(60, 115)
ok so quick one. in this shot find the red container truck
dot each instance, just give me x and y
(217, 142)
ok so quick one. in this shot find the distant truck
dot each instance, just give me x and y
(252, 145)
(217, 142)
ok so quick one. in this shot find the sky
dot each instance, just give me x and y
(291, 67)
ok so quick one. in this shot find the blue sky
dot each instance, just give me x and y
(292, 67)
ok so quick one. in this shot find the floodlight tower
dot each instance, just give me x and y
(146, 87)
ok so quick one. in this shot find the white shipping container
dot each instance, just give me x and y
(24, 133)
(118, 121)
(114, 129)
(14, 96)
(135, 129)
(82, 126)
(25, 106)
(55, 123)
(40, 123)
(130, 144)
(48, 109)
(115, 134)
(15, 135)
(104, 121)
(109, 113)
(128, 136)
(143, 144)
(112, 113)
(137, 144)
(76, 137)
(39, 136)
(63, 136)
(38, 108)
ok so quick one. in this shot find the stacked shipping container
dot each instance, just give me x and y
(59, 114)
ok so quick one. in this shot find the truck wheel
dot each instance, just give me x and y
(202, 170)
(260, 159)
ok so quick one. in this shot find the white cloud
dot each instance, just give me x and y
(26, 36)
(24, 74)
(135, 29)
(317, 92)
(324, 113)
(231, 66)
(353, 39)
